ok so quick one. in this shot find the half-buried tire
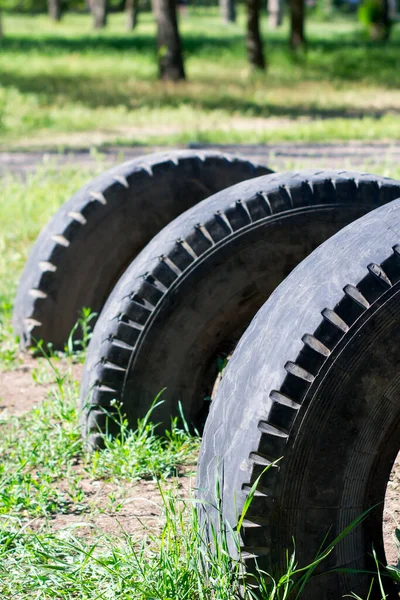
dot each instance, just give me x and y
(84, 249)
(315, 379)
(194, 289)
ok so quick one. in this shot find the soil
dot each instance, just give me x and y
(110, 507)
(133, 507)
(277, 156)
(18, 390)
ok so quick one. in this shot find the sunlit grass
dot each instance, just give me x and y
(64, 84)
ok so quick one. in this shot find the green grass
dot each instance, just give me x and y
(34, 464)
(64, 85)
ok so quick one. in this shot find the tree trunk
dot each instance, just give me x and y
(275, 13)
(228, 10)
(380, 29)
(54, 8)
(131, 10)
(169, 45)
(99, 11)
(392, 10)
(297, 17)
(254, 43)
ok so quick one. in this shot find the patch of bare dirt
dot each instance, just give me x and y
(132, 508)
(19, 391)
(277, 156)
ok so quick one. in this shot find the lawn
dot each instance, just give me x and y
(64, 85)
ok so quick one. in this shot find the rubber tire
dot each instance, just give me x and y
(167, 320)
(320, 388)
(81, 253)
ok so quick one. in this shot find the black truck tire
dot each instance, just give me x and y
(190, 294)
(315, 379)
(83, 250)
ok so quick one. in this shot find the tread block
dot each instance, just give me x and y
(370, 287)
(391, 267)
(217, 228)
(127, 333)
(280, 200)
(136, 312)
(258, 208)
(268, 478)
(328, 334)
(355, 294)
(198, 241)
(118, 353)
(294, 387)
(164, 273)
(282, 416)
(272, 445)
(110, 375)
(346, 190)
(349, 310)
(150, 292)
(369, 191)
(103, 396)
(57, 253)
(379, 273)
(310, 359)
(301, 195)
(46, 281)
(180, 257)
(237, 216)
(387, 192)
(324, 192)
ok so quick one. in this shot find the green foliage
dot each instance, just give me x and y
(9, 351)
(369, 12)
(144, 453)
(79, 338)
(394, 571)
(373, 15)
(41, 6)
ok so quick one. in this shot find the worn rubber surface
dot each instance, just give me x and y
(81, 253)
(315, 379)
(194, 289)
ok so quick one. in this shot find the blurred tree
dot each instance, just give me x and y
(375, 16)
(169, 47)
(54, 8)
(99, 10)
(228, 10)
(297, 17)
(131, 11)
(1, 25)
(255, 51)
(275, 13)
